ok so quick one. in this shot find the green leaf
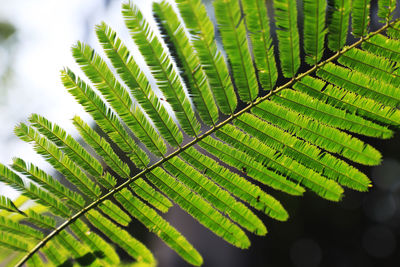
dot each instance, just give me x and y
(288, 36)
(220, 198)
(314, 30)
(386, 9)
(8, 205)
(67, 144)
(53, 254)
(153, 197)
(95, 242)
(394, 31)
(383, 46)
(8, 241)
(304, 152)
(241, 161)
(331, 116)
(325, 188)
(122, 238)
(48, 182)
(33, 192)
(114, 212)
(58, 160)
(187, 60)
(198, 208)
(233, 32)
(360, 17)
(257, 22)
(236, 184)
(159, 226)
(40, 220)
(360, 83)
(118, 97)
(346, 100)
(161, 67)
(16, 228)
(372, 65)
(139, 86)
(102, 148)
(338, 23)
(103, 116)
(201, 28)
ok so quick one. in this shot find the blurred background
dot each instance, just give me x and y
(35, 40)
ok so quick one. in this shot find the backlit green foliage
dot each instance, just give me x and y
(291, 135)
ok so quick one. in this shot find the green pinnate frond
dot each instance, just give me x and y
(352, 102)
(220, 198)
(257, 23)
(10, 226)
(188, 61)
(394, 31)
(40, 220)
(360, 17)
(102, 147)
(10, 178)
(103, 116)
(118, 97)
(331, 116)
(119, 236)
(160, 227)
(114, 212)
(9, 241)
(360, 83)
(383, 46)
(338, 23)
(58, 160)
(304, 152)
(309, 178)
(288, 36)
(73, 246)
(161, 66)
(153, 197)
(314, 30)
(201, 28)
(386, 9)
(95, 242)
(66, 143)
(326, 137)
(198, 208)
(48, 182)
(233, 32)
(138, 84)
(236, 184)
(48, 200)
(246, 164)
(8, 205)
(372, 65)
(53, 254)
(287, 139)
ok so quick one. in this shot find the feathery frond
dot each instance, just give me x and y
(138, 84)
(360, 17)
(296, 136)
(187, 60)
(338, 23)
(257, 23)
(201, 28)
(288, 36)
(161, 66)
(233, 33)
(314, 30)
